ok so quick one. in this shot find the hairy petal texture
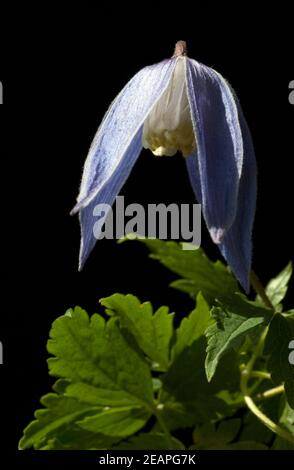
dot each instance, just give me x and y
(222, 168)
(119, 127)
(237, 245)
(117, 145)
(219, 146)
(107, 196)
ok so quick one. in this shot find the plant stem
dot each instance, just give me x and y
(260, 290)
(270, 393)
(247, 372)
(259, 414)
(260, 374)
(164, 428)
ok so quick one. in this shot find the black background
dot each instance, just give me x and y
(60, 71)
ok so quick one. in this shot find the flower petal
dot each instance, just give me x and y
(219, 145)
(116, 147)
(194, 175)
(120, 125)
(237, 245)
(106, 196)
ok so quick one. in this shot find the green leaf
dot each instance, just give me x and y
(83, 442)
(92, 395)
(104, 377)
(287, 417)
(60, 413)
(99, 354)
(253, 428)
(226, 381)
(76, 438)
(229, 429)
(121, 422)
(281, 332)
(231, 326)
(187, 396)
(192, 327)
(287, 421)
(277, 287)
(245, 445)
(289, 390)
(289, 314)
(210, 437)
(207, 436)
(152, 332)
(176, 415)
(282, 444)
(149, 441)
(157, 384)
(198, 272)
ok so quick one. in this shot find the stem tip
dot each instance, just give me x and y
(180, 49)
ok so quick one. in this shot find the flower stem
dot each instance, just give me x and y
(247, 372)
(260, 374)
(260, 290)
(164, 428)
(259, 414)
(272, 392)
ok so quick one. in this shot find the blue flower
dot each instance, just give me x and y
(179, 105)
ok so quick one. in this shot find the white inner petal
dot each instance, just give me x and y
(168, 128)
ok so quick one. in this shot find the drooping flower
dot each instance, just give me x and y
(179, 105)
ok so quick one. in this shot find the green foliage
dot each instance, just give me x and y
(192, 327)
(152, 332)
(212, 437)
(287, 421)
(198, 273)
(278, 286)
(123, 421)
(185, 383)
(93, 352)
(60, 413)
(149, 441)
(281, 332)
(230, 329)
(127, 378)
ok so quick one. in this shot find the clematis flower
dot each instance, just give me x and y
(181, 105)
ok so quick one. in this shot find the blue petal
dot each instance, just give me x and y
(120, 125)
(106, 196)
(194, 175)
(237, 245)
(219, 146)
(117, 145)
